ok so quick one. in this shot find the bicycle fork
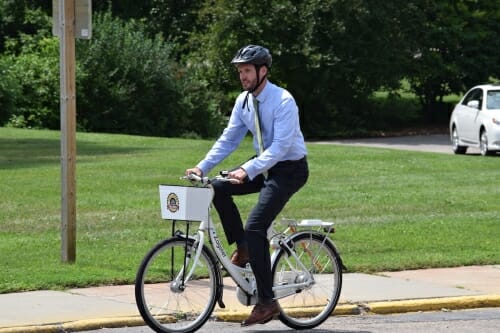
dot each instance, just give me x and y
(195, 245)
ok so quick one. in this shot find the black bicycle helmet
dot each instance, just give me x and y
(253, 54)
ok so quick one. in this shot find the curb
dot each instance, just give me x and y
(433, 304)
(78, 325)
(237, 316)
(430, 304)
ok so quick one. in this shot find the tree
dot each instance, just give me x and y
(455, 47)
(354, 48)
(332, 55)
(21, 17)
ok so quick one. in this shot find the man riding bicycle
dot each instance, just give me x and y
(278, 171)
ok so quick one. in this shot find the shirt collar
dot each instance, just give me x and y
(265, 92)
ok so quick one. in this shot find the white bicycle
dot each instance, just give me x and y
(180, 281)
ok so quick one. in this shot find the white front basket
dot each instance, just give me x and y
(185, 202)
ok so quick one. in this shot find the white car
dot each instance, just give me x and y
(475, 120)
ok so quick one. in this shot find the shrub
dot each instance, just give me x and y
(31, 86)
(128, 83)
(9, 90)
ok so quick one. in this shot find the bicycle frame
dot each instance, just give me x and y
(179, 281)
(242, 276)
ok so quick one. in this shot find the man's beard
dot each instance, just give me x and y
(251, 85)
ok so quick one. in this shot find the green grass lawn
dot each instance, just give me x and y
(393, 209)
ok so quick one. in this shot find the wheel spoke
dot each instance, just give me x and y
(316, 289)
(170, 304)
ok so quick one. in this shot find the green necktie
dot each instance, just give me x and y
(258, 132)
(257, 125)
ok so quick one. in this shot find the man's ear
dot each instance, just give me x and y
(263, 70)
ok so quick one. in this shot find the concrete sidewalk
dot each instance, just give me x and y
(386, 292)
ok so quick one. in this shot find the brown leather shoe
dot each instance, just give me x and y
(240, 257)
(262, 313)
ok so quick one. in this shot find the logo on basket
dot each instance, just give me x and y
(173, 202)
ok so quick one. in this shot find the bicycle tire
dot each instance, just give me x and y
(167, 305)
(308, 307)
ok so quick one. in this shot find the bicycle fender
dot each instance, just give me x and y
(289, 240)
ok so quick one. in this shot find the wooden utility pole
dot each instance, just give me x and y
(72, 19)
(68, 130)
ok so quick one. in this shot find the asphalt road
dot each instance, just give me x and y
(465, 321)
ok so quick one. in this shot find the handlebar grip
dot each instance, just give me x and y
(193, 176)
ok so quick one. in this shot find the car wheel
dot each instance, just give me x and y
(483, 143)
(457, 149)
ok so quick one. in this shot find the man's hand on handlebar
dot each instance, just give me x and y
(197, 171)
(239, 174)
(195, 175)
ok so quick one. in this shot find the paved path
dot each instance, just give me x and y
(438, 143)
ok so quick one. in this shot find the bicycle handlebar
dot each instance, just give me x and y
(205, 181)
(197, 179)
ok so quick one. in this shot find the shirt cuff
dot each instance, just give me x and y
(250, 169)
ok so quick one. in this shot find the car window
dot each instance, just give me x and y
(493, 99)
(474, 95)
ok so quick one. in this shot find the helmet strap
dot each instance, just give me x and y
(259, 82)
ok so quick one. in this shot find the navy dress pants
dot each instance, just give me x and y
(283, 180)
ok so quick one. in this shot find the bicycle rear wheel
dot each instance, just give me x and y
(169, 298)
(308, 306)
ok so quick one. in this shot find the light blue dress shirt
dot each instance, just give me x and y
(281, 134)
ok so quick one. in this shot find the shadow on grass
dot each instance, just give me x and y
(28, 152)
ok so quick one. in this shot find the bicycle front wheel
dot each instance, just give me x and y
(316, 264)
(174, 292)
